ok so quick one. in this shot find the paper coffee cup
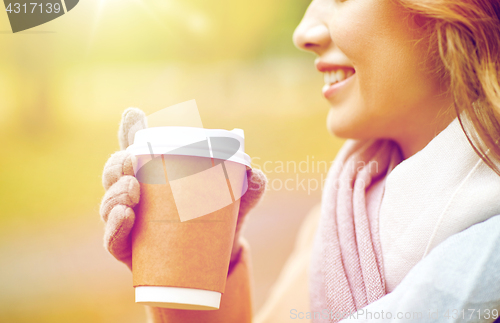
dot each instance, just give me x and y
(191, 182)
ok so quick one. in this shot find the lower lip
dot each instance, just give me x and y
(329, 91)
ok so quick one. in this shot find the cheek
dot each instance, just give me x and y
(391, 87)
(349, 36)
(357, 25)
(374, 37)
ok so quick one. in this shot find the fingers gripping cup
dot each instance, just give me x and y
(191, 183)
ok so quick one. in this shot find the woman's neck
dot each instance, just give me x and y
(414, 141)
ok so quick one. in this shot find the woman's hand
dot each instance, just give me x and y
(123, 193)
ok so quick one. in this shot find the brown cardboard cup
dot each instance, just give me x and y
(184, 229)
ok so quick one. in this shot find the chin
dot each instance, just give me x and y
(340, 127)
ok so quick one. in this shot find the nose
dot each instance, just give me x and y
(312, 34)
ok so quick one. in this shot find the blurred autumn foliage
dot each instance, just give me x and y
(63, 86)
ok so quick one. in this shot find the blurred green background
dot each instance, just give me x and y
(63, 87)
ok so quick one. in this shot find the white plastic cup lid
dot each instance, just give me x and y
(191, 141)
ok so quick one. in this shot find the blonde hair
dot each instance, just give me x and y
(464, 49)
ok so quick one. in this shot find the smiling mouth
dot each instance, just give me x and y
(336, 78)
(338, 75)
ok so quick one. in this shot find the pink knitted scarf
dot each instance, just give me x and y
(346, 270)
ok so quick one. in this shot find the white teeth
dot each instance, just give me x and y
(340, 75)
(332, 77)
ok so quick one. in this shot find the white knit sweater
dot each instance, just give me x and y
(441, 190)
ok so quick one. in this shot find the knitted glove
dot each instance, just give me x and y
(123, 193)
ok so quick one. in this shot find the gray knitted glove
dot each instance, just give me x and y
(123, 193)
